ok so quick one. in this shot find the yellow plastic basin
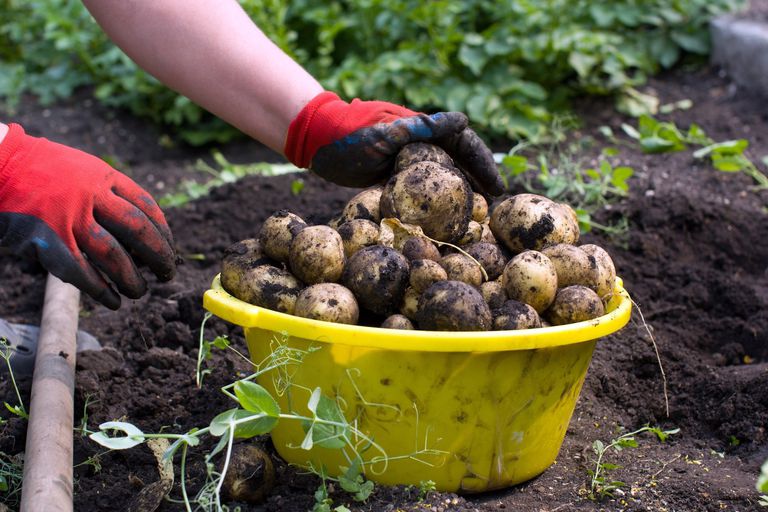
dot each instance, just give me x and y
(471, 411)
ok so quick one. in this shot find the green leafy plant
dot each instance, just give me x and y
(19, 409)
(600, 484)
(762, 484)
(11, 475)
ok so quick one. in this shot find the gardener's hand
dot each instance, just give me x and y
(80, 218)
(355, 144)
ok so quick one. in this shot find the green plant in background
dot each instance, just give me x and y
(600, 485)
(762, 484)
(5, 353)
(11, 475)
(509, 65)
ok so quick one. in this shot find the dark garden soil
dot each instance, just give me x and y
(694, 260)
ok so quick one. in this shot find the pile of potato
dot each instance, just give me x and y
(422, 252)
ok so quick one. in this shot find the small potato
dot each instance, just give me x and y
(419, 248)
(421, 152)
(378, 276)
(606, 271)
(433, 197)
(329, 302)
(358, 233)
(426, 272)
(513, 315)
(574, 304)
(410, 303)
(474, 234)
(531, 277)
(317, 255)
(487, 234)
(397, 322)
(460, 267)
(530, 221)
(364, 205)
(238, 258)
(494, 293)
(453, 306)
(573, 266)
(489, 256)
(479, 207)
(278, 232)
(268, 287)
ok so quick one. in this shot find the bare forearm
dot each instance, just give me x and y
(212, 53)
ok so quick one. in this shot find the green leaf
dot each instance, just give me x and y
(327, 436)
(133, 436)
(762, 481)
(515, 163)
(246, 424)
(630, 130)
(255, 398)
(582, 63)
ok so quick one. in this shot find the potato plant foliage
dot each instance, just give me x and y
(509, 65)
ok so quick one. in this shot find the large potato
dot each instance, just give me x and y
(453, 306)
(513, 315)
(606, 271)
(238, 258)
(329, 302)
(573, 265)
(316, 255)
(364, 205)
(436, 198)
(378, 276)
(531, 277)
(278, 232)
(460, 267)
(574, 304)
(269, 287)
(421, 152)
(530, 221)
(489, 256)
(358, 233)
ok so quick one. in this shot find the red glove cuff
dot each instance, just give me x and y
(8, 147)
(327, 118)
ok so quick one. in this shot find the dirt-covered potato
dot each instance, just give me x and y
(453, 306)
(409, 306)
(460, 267)
(530, 221)
(358, 233)
(238, 258)
(489, 256)
(278, 232)
(487, 234)
(474, 234)
(515, 315)
(494, 293)
(574, 304)
(268, 287)
(426, 272)
(573, 266)
(421, 152)
(479, 207)
(531, 277)
(606, 271)
(397, 321)
(378, 276)
(364, 205)
(436, 198)
(329, 302)
(316, 255)
(419, 248)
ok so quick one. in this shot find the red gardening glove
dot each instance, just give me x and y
(355, 144)
(80, 218)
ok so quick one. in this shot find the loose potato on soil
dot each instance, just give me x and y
(426, 272)
(436, 198)
(250, 476)
(421, 152)
(410, 303)
(573, 266)
(606, 271)
(530, 277)
(494, 293)
(453, 306)
(574, 304)
(278, 232)
(238, 258)
(378, 276)
(489, 256)
(317, 255)
(268, 287)
(460, 267)
(530, 221)
(358, 233)
(513, 315)
(479, 207)
(329, 302)
(419, 248)
(397, 322)
(364, 205)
